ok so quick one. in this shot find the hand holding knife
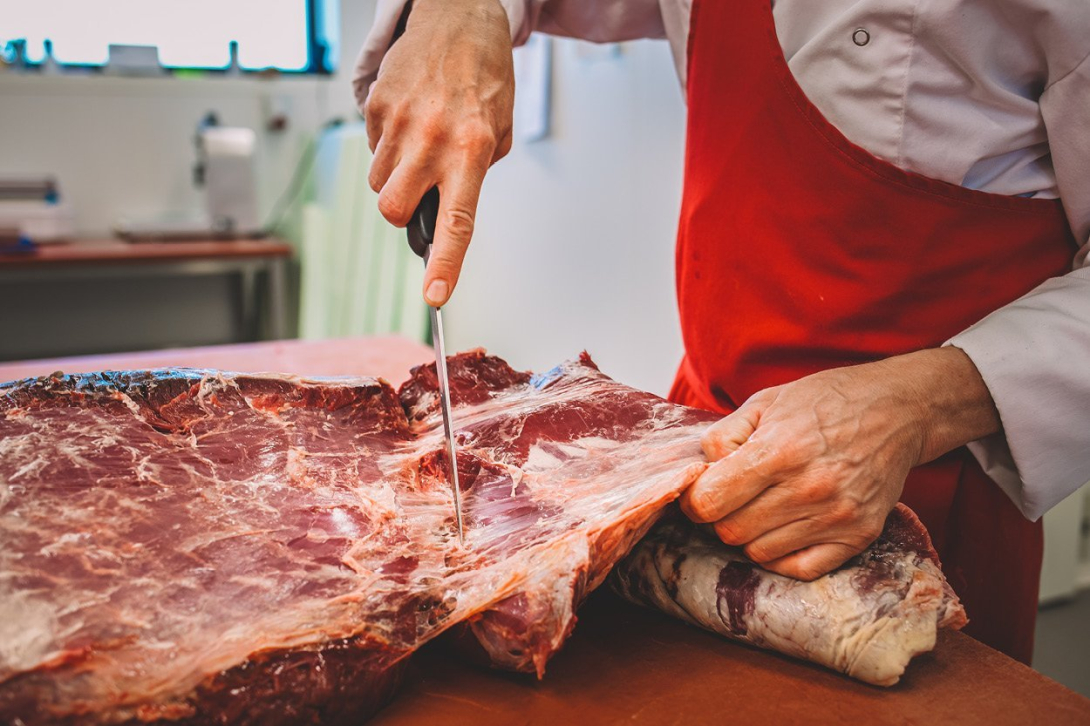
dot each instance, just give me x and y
(467, 103)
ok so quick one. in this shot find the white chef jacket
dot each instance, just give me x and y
(991, 95)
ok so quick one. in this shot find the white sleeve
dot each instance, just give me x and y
(1034, 354)
(601, 21)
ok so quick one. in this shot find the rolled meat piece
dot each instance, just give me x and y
(867, 619)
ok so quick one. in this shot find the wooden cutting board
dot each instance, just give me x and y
(626, 665)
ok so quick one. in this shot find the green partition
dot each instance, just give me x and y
(359, 276)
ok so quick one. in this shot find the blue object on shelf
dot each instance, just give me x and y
(23, 245)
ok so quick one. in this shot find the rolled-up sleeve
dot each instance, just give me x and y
(596, 20)
(1034, 354)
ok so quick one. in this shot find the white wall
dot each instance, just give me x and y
(124, 146)
(575, 239)
(1066, 568)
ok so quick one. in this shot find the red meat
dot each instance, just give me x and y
(202, 547)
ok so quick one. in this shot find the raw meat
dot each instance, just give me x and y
(867, 619)
(210, 548)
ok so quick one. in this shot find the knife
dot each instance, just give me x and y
(421, 235)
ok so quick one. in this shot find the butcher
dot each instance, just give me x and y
(881, 259)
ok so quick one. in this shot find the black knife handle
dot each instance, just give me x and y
(422, 225)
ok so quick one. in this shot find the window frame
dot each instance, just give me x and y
(321, 15)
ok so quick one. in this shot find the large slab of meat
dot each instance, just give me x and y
(867, 619)
(199, 547)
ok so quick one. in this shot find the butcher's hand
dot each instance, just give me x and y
(804, 474)
(440, 113)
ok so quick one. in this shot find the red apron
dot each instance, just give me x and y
(799, 251)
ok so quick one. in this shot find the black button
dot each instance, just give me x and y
(860, 37)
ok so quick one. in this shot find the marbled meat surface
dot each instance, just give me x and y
(202, 547)
(867, 619)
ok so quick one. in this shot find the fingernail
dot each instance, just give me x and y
(437, 293)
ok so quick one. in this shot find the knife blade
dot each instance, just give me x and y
(421, 233)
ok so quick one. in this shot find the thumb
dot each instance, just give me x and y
(727, 434)
(454, 230)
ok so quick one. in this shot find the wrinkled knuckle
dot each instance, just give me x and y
(790, 454)
(770, 464)
(504, 148)
(375, 106)
(807, 572)
(810, 443)
(759, 553)
(434, 130)
(730, 532)
(478, 138)
(714, 441)
(395, 123)
(694, 509)
(697, 507)
(787, 570)
(821, 489)
(758, 457)
(843, 512)
(459, 222)
(393, 208)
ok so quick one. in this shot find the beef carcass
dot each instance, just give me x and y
(200, 547)
(867, 619)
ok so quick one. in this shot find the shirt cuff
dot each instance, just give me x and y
(1034, 357)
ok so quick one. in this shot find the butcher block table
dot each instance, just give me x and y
(627, 665)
